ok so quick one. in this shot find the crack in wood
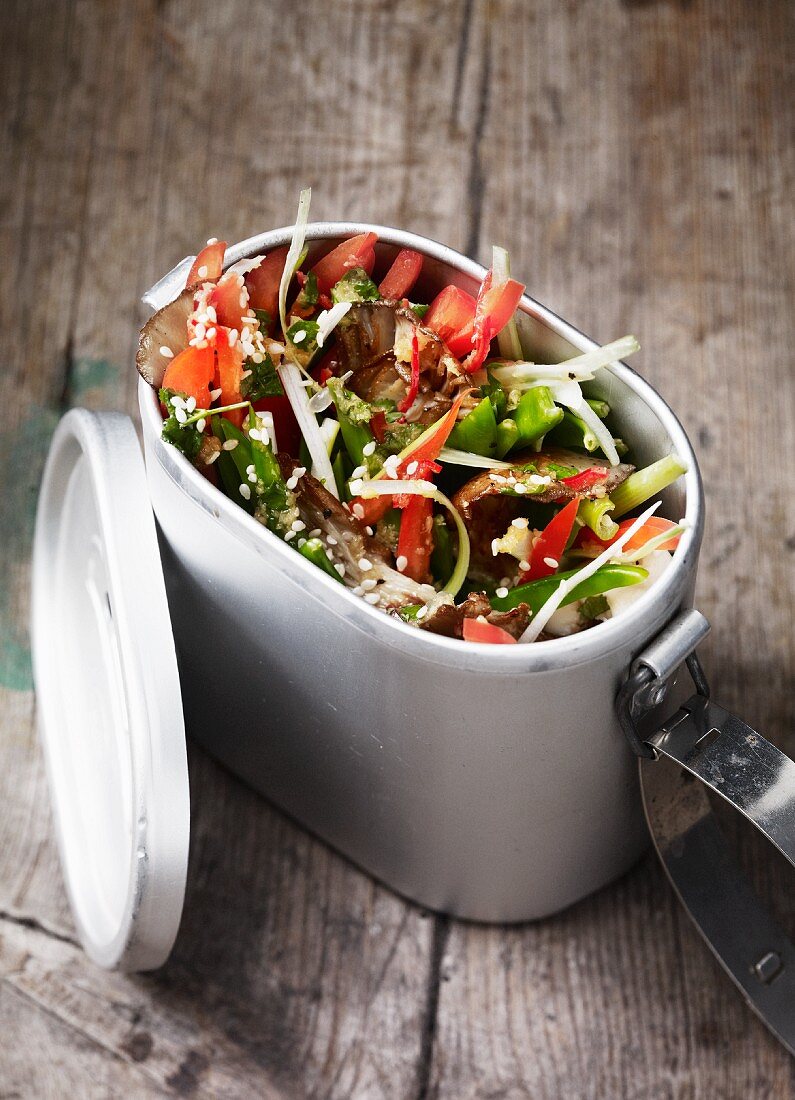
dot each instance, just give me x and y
(34, 925)
(441, 933)
(476, 180)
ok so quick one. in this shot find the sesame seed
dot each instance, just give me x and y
(330, 540)
(520, 522)
(551, 562)
(229, 445)
(401, 563)
(519, 488)
(212, 240)
(232, 337)
(301, 542)
(250, 469)
(243, 299)
(358, 511)
(412, 468)
(340, 568)
(201, 425)
(245, 492)
(364, 564)
(190, 404)
(167, 352)
(298, 525)
(356, 485)
(211, 333)
(315, 533)
(289, 535)
(369, 448)
(524, 566)
(178, 402)
(212, 458)
(253, 433)
(180, 414)
(368, 583)
(423, 611)
(357, 590)
(494, 547)
(201, 331)
(299, 471)
(246, 374)
(252, 477)
(371, 598)
(300, 336)
(369, 530)
(215, 394)
(212, 315)
(291, 482)
(501, 592)
(202, 272)
(360, 471)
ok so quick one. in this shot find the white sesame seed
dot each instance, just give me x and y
(340, 569)
(291, 482)
(232, 337)
(412, 468)
(524, 566)
(364, 564)
(300, 543)
(190, 404)
(369, 448)
(253, 433)
(212, 315)
(229, 445)
(356, 485)
(551, 562)
(215, 394)
(368, 584)
(245, 492)
(401, 563)
(300, 336)
(357, 590)
(289, 535)
(360, 471)
(501, 592)
(202, 272)
(298, 525)
(243, 299)
(369, 530)
(167, 352)
(252, 477)
(519, 488)
(246, 374)
(330, 540)
(200, 332)
(520, 522)
(211, 333)
(180, 414)
(494, 547)
(423, 611)
(316, 532)
(212, 240)
(201, 425)
(371, 598)
(358, 511)
(250, 469)
(178, 402)
(299, 471)
(213, 457)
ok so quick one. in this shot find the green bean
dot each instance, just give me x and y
(506, 438)
(594, 514)
(477, 432)
(442, 557)
(240, 459)
(536, 593)
(314, 551)
(574, 432)
(535, 415)
(646, 483)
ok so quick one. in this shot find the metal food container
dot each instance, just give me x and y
(488, 782)
(492, 783)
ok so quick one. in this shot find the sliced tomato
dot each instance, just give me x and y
(451, 315)
(191, 373)
(358, 251)
(208, 265)
(263, 283)
(496, 305)
(478, 630)
(653, 526)
(402, 275)
(415, 541)
(550, 544)
(228, 376)
(226, 297)
(288, 434)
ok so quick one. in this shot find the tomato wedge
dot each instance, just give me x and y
(415, 541)
(653, 526)
(191, 373)
(228, 376)
(288, 434)
(451, 315)
(208, 265)
(478, 630)
(358, 251)
(225, 297)
(551, 543)
(263, 283)
(402, 275)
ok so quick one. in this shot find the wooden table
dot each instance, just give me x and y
(636, 156)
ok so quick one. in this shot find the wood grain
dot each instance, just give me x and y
(637, 158)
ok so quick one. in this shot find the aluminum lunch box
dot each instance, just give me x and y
(491, 783)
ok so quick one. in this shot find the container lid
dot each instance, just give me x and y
(109, 703)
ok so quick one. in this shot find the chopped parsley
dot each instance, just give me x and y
(263, 381)
(419, 310)
(593, 606)
(355, 286)
(184, 436)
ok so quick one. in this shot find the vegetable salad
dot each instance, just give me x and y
(404, 444)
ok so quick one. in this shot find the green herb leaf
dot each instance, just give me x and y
(355, 286)
(594, 606)
(418, 309)
(353, 408)
(184, 437)
(263, 381)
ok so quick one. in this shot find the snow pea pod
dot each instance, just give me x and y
(536, 593)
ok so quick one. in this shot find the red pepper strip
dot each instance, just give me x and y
(415, 541)
(586, 480)
(211, 257)
(414, 388)
(551, 543)
(494, 309)
(424, 472)
(378, 426)
(476, 630)
(371, 510)
(653, 526)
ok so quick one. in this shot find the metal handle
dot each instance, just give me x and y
(706, 742)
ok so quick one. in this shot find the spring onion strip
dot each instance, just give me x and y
(290, 371)
(328, 319)
(652, 544)
(329, 429)
(598, 429)
(646, 483)
(547, 610)
(468, 458)
(366, 489)
(508, 339)
(582, 366)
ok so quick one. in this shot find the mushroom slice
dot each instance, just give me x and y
(168, 328)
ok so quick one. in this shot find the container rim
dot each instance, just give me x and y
(659, 603)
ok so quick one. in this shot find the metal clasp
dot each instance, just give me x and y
(648, 681)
